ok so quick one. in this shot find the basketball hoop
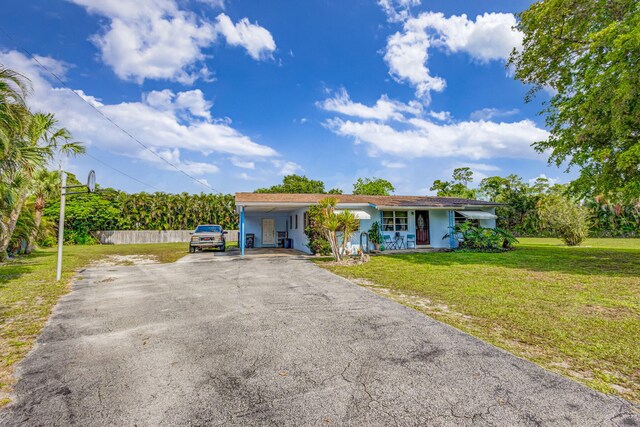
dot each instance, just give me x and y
(91, 182)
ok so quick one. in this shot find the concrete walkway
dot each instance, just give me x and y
(275, 341)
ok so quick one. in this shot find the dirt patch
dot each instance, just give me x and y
(609, 312)
(414, 301)
(114, 260)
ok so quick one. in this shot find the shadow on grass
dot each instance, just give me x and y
(569, 260)
(21, 265)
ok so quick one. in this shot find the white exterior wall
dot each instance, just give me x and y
(300, 239)
(365, 225)
(253, 224)
(438, 227)
(488, 223)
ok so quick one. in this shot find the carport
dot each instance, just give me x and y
(274, 226)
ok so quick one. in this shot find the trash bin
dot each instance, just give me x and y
(288, 243)
(249, 240)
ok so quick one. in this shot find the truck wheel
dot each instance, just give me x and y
(191, 249)
(223, 248)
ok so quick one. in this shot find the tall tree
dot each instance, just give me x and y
(295, 184)
(373, 187)
(28, 151)
(459, 187)
(588, 53)
(46, 185)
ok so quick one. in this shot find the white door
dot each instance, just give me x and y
(268, 231)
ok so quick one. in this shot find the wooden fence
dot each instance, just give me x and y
(126, 237)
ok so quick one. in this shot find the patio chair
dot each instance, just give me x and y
(388, 242)
(411, 241)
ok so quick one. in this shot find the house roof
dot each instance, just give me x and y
(380, 201)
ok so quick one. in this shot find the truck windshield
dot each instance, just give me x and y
(208, 229)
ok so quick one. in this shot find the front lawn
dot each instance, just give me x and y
(28, 292)
(575, 311)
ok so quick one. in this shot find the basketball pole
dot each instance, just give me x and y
(63, 196)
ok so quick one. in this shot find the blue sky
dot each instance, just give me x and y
(238, 93)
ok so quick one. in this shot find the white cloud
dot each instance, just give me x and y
(156, 39)
(472, 140)
(216, 4)
(384, 109)
(285, 167)
(257, 40)
(490, 113)
(407, 55)
(490, 37)
(173, 156)
(165, 121)
(244, 164)
(191, 102)
(393, 165)
(443, 116)
(151, 39)
(397, 10)
(245, 176)
(478, 167)
(56, 66)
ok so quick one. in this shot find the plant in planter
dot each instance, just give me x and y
(375, 236)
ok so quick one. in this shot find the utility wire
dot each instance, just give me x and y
(104, 116)
(122, 173)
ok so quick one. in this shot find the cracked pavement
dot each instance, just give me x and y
(275, 341)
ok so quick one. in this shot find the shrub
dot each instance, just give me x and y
(318, 244)
(375, 236)
(565, 218)
(482, 239)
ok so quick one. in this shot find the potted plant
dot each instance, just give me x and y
(375, 236)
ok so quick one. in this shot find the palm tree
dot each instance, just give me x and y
(27, 152)
(46, 185)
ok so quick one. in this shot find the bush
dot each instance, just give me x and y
(565, 218)
(317, 243)
(375, 236)
(482, 239)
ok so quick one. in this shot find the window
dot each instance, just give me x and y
(296, 221)
(208, 229)
(395, 220)
(459, 219)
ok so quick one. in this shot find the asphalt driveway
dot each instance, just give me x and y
(275, 341)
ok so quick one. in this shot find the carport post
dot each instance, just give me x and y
(242, 240)
(452, 225)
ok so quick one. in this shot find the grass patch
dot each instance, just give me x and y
(573, 310)
(28, 292)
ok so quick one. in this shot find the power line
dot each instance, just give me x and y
(122, 173)
(104, 116)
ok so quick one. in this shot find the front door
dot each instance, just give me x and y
(422, 227)
(268, 232)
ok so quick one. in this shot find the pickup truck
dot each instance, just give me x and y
(208, 236)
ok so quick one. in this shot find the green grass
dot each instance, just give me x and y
(28, 292)
(573, 310)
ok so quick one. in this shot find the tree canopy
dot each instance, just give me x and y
(373, 187)
(295, 184)
(587, 52)
(458, 187)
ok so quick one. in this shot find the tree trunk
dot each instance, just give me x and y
(37, 219)
(11, 224)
